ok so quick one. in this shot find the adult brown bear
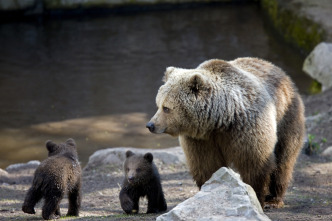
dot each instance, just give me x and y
(245, 114)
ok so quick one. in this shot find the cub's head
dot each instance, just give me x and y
(138, 168)
(182, 103)
(55, 149)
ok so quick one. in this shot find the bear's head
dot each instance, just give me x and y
(55, 149)
(183, 103)
(138, 168)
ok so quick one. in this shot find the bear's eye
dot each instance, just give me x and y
(127, 169)
(138, 170)
(166, 110)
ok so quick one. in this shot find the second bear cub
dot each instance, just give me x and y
(60, 173)
(141, 179)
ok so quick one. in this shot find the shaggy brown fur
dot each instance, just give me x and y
(60, 173)
(245, 114)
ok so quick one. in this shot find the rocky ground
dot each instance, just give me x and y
(308, 198)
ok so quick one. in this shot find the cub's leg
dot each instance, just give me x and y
(57, 211)
(129, 203)
(52, 204)
(156, 200)
(74, 197)
(32, 198)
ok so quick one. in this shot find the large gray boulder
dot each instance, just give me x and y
(318, 64)
(223, 197)
(13, 173)
(33, 164)
(116, 156)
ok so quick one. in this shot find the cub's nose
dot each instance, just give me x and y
(131, 178)
(151, 127)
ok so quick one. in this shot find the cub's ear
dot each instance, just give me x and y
(197, 84)
(129, 153)
(51, 147)
(148, 157)
(167, 74)
(71, 142)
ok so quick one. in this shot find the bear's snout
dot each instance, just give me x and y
(131, 179)
(151, 127)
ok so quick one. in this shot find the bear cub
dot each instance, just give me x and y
(60, 173)
(141, 179)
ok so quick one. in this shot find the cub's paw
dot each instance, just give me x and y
(51, 217)
(128, 206)
(29, 210)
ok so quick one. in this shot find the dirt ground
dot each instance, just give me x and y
(101, 187)
(309, 197)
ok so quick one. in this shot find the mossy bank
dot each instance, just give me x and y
(295, 27)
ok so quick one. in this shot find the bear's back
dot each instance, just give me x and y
(60, 169)
(278, 85)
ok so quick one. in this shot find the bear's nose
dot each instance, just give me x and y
(131, 178)
(151, 127)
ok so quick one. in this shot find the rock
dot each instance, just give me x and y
(116, 156)
(3, 176)
(319, 66)
(327, 153)
(314, 121)
(22, 166)
(223, 197)
(3, 172)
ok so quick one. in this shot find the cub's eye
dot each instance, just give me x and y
(166, 110)
(127, 169)
(138, 170)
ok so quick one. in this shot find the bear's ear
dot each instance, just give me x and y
(167, 74)
(129, 153)
(71, 142)
(51, 147)
(197, 84)
(148, 157)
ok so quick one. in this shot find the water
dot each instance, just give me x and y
(95, 78)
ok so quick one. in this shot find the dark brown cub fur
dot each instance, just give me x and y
(60, 173)
(141, 179)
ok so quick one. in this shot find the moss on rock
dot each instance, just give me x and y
(294, 27)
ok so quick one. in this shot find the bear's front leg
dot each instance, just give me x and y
(57, 211)
(128, 204)
(156, 200)
(32, 198)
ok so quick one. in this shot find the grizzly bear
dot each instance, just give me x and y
(141, 179)
(60, 173)
(245, 114)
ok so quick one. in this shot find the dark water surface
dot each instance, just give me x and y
(95, 79)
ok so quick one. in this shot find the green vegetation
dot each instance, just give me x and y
(315, 87)
(313, 147)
